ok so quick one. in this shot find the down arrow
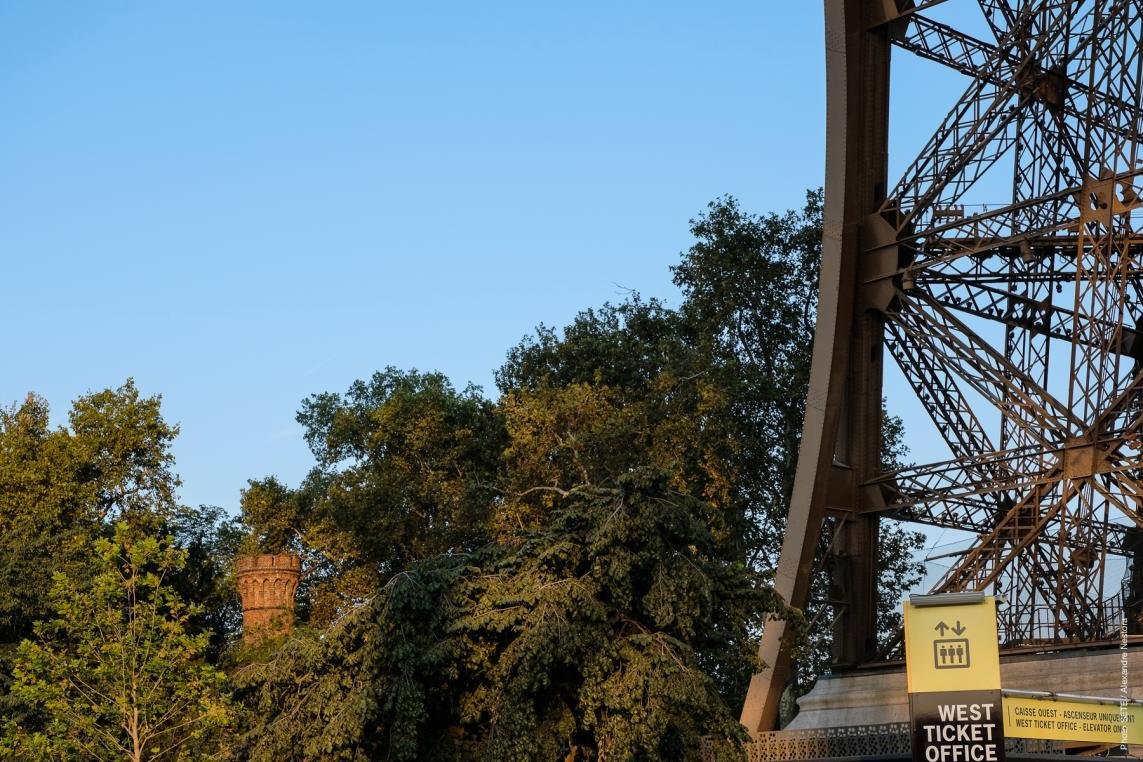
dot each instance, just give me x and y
(959, 630)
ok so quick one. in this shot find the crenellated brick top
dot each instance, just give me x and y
(267, 561)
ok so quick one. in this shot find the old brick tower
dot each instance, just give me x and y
(267, 584)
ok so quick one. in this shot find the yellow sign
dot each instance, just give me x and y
(951, 646)
(1063, 720)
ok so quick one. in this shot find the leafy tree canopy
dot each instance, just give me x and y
(406, 469)
(270, 509)
(60, 486)
(575, 569)
(548, 566)
(62, 490)
(607, 631)
(116, 673)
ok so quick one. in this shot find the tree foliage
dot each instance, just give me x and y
(726, 375)
(604, 632)
(115, 674)
(576, 569)
(405, 464)
(406, 467)
(211, 541)
(656, 399)
(601, 633)
(372, 685)
(44, 514)
(749, 284)
(270, 510)
(58, 485)
(62, 487)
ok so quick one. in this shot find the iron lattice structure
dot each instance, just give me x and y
(1017, 325)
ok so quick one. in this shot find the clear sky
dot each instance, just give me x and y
(240, 204)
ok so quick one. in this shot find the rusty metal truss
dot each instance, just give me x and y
(1016, 320)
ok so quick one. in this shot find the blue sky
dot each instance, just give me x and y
(240, 204)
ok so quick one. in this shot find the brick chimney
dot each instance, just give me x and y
(267, 584)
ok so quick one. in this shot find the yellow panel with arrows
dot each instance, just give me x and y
(952, 648)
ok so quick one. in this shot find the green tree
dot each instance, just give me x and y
(124, 451)
(59, 485)
(750, 290)
(270, 510)
(749, 286)
(599, 634)
(728, 370)
(405, 464)
(59, 489)
(211, 540)
(726, 375)
(604, 633)
(115, 674)
(640, 363)
(406, 469)
(602, 583)
(379, 683)
(543, 565)
(44, 513)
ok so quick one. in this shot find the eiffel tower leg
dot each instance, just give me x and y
(1023, 317)
(842, 424)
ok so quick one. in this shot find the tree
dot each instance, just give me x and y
(270, 509)
(211, 541)
(750, 289)
(379, 683)
(59, 489)
(729, 369)
(579, 570)
(44, 515)
(124, 451)
(57, 486)
(639, 359)
(115, 673)
(405, 464)
(602, 584)
(406, 469)
(749, 286)
(727, 375)
(605, 633)
(601, 633)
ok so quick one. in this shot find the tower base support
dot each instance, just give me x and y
(878, 695)
(865, 711)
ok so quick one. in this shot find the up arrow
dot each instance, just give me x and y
(959, 629)
(942, 627)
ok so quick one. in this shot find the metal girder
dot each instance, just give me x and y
(1000, 16)
(975, 58)
(976, 132)
(940, 395)
(1016, 530)
(953, 496)
(979, 128)
(1038, 316)
(982, 366)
